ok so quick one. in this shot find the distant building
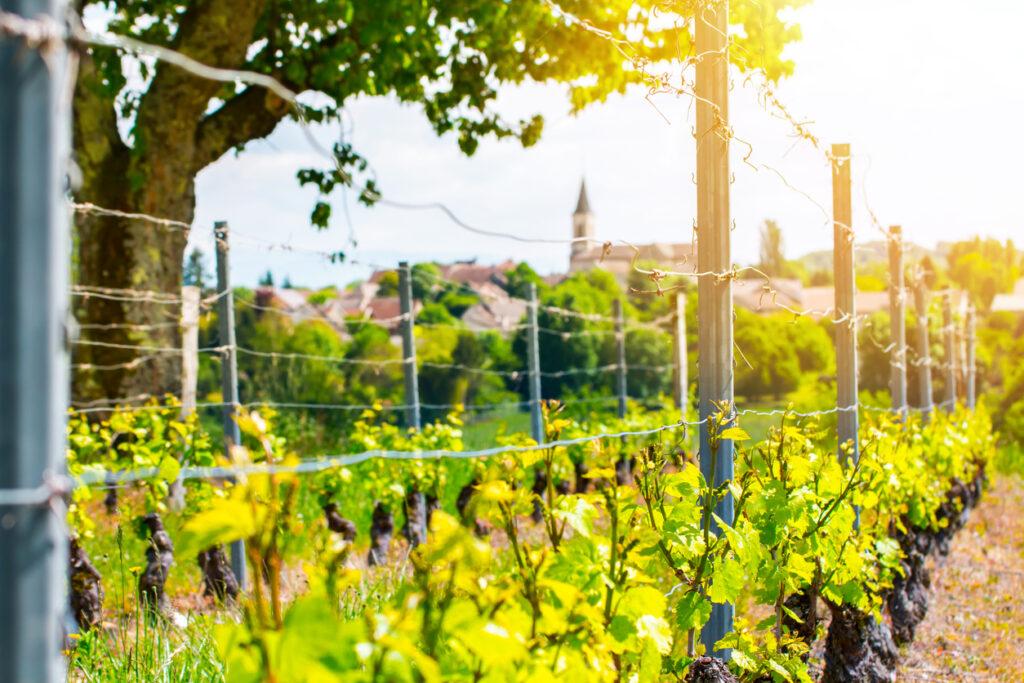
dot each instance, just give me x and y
(1012, 302)
(588, 253)
(361, 302)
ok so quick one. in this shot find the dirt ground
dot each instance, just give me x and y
(974, 630)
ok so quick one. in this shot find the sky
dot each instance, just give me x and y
(927, 92)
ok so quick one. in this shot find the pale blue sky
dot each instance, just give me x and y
(927, 91)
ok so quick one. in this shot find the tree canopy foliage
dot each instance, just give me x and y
(144, 129)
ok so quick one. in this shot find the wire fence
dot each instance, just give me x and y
(165, 313)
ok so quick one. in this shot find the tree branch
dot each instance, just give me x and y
(250, 115)
(215, 32)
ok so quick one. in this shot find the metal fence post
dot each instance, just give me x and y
(971, 370)
(897, 323)
(715, 336)
(924, 353)
(229, 370)
(845, 304)
(533, 367)
(621, 387)
(412, 383)
(34, 339)
(682, 384)
(949, 340)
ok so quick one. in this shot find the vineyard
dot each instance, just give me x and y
(658, 466)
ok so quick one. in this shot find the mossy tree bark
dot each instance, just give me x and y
(174, 136)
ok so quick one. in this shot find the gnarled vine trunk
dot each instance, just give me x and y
(382, 526)
(86, 588)
(415, 518)
(709, 670)
(219, 579)
(338, 524)
(159, 558)
(858, 649)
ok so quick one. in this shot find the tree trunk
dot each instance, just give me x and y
(174, 136)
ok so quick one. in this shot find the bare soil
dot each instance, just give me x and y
(974, 630)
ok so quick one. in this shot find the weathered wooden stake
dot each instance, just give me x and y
(972, 369)
(620, 355)
(898, 323)
(949, 339)
(533, 367)
(682, 369)
(924, 352)
(189, 374)
(715, 336)
(845, 304)
(34, 337)
(229, 371)
(412, 383)
(189, 348)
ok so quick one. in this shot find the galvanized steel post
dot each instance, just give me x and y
(229, 370)
(34, 338)
(533, 367)
(409, 371)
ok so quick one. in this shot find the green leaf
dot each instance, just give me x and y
(727, 582)
(734, 434)
(169, 469)
(692, 611)
(650, 661)
(641, 601)
(578, 512)
(227, 519)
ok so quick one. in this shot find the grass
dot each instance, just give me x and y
(146, 651)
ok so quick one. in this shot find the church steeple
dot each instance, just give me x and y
(583, 204)
(582, 224)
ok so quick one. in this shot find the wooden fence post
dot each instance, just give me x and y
(682, 379)
(412, 384)
(949, 339)
(533, 367)
(924, 353)
(189, 374)
(971, 370)
(898, 323)
(34, 338)
(715, 336)
(189, 348)
(620, 355)
(845, 304)
(229, 370)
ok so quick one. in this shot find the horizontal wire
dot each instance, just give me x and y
(134, 327)
(152, 349)
(334, 461)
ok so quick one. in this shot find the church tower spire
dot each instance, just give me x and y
(582, 223)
